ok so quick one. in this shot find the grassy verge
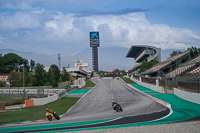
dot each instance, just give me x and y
(38, 112)
(128, 81)
(89, 84)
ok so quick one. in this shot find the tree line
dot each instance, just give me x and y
(35, 75)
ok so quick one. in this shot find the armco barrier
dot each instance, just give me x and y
(29, 103)
(189, 96)
(43, 101)
(152, 87)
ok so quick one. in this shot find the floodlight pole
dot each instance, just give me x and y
(23, 75)
(23, 80)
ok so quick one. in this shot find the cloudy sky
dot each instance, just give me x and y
(63, 26)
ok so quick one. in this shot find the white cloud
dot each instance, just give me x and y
(54, 32)
(38, 11)
(121, 30)
(22, 5)
(19, 20)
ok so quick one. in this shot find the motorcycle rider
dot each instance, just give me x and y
(115, 104)
(50, 111)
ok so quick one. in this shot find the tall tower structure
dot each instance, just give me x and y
(94, 43)
(59, 60)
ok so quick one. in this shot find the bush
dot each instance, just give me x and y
(2, 84)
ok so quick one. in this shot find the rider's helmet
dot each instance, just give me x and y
(47, 109)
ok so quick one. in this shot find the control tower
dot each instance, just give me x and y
(94, 43)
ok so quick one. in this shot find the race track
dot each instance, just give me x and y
(97, 105)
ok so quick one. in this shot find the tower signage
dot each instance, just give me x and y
(94, 39)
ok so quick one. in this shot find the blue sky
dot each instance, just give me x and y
(63, 26)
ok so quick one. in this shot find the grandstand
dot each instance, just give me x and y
(188, 67)
(141, 53)
(179, 71)
(195, 72)
(167, 66)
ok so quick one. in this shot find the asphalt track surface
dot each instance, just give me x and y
(97, 105)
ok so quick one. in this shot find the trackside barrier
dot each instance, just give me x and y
(152, 87)
(189, 96)
(43, 101)
(29, 103)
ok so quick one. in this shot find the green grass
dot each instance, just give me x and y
(127, 80)
(89, 84)
(38, 112)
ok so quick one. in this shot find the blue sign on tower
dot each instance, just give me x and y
(94, 39)
(94, 35)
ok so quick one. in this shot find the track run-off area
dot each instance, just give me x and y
(94, 110)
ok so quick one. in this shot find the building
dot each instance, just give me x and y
(143, 53)
(5, 80)
(80, 70)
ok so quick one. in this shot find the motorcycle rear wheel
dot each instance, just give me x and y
(49, 118)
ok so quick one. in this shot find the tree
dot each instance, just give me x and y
(54, 75)
(32, 65)
(29, 79)
(26, 65)
(65, 75)
(147, 65)
(16, 79)
(2, 84)
(10, 62)
(194, 51)
(174, 53)
(40, 75)
(1, 65)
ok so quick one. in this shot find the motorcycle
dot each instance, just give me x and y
(118, 108)
(52, 116)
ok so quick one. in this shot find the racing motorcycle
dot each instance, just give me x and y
(52, 116)
(118, 108)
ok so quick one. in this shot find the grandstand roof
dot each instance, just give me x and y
(144, 52)
(164, 64)
(135, 50)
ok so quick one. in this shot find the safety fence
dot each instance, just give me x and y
(30, 93)
(187, 83)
